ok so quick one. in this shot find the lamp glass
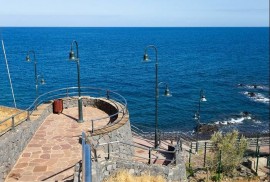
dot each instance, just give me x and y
(27, 58)
(72, 55)
(42, 81)
(196, 116)
(146, 57)
(167, 92)
(203, 99)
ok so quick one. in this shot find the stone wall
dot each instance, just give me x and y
(102, 170)
(122, 134)
(13, 143)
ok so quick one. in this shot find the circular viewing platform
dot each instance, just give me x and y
(45, 146)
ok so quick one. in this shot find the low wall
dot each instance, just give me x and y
(13, 143)
(102, 170)
(121, 134)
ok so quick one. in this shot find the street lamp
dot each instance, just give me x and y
(167, 92)
(28, 59)
(75, 57)
(197, 115)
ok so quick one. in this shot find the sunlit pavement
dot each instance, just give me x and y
(55, 149)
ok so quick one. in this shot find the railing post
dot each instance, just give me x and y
(107, 94)
(92, 126)
(28, 116)
(150, 156)
(13, 123)
(197, 146)
(108, 151)
(257, 144)
(83, 155)
(204, 157)
(258, 156)
(189, 159)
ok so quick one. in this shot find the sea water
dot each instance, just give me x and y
(227, 63)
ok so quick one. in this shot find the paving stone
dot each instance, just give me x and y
(40, 168)
(26, 154)
(21, 165)
(45, 156)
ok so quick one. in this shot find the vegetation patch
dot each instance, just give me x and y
(6, 112)
(124, 176)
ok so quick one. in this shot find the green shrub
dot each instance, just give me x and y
(232, 151)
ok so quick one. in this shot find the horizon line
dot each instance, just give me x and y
(134, 26)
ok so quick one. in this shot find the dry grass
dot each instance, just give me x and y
(124, 176)
(6, 112)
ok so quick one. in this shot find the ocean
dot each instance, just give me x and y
(229, 64)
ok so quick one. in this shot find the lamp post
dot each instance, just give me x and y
(28, 59)
(167, 93)
(197, 115)
(75, 57)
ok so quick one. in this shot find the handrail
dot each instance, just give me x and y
(68, 92)
(178, 134)
(150, 149)
(86, 160)
(252, 142)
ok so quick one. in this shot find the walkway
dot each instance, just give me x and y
(55, 149)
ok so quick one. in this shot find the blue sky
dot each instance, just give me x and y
(135, 13)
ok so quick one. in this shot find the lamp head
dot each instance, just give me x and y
(72, 55)
(145, 57)
(196, 116)
(42, 81)
(27, 58)
(167, 92)
(203, 99)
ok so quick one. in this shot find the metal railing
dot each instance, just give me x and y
(109, 153)
(118, 100)
(163, 135)
(86, 160)
(252, 142)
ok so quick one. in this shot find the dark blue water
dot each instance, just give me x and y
(190, 59)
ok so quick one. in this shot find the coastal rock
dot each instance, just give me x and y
(207, 128)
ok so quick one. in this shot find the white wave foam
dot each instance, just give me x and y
(231, 121)
(254, 86)
(257, 121)
(257, 97)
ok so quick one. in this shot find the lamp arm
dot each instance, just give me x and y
(77, 49)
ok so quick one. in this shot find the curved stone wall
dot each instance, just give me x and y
(13, 143)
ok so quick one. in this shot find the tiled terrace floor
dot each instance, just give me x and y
(55, 149)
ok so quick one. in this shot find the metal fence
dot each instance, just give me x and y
(199, 152)
(108, 154)
(197, 157)
(118, 100)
